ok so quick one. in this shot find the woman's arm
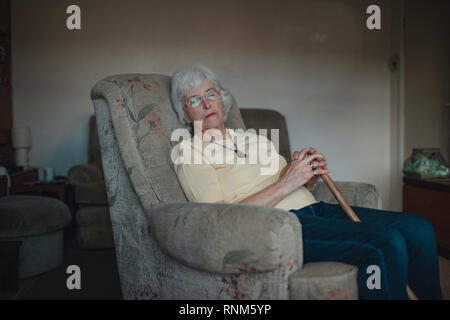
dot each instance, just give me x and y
(269, 196)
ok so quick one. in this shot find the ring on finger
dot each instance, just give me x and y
(314, 166)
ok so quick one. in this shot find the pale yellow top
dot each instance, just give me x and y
(209, 172)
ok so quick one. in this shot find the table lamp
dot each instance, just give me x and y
(21, 141)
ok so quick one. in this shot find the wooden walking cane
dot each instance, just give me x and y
(348, 210)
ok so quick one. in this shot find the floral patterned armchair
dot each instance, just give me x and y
(168, 248)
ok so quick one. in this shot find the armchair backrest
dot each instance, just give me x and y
(269, 119)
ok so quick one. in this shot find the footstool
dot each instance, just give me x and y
(38, 222)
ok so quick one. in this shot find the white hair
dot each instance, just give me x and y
(191, 78)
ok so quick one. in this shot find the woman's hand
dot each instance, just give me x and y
(310, 184)
(300, 172)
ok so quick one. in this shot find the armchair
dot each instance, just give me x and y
(88, 198)
(168, 248)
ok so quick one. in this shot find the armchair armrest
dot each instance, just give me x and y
(88, 185)
(356, 193)
(228, 238)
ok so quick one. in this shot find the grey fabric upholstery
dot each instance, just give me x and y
(85, 173)
(93, 193)
(95, 237)
(227, 238)
(37, 222)
(168, 248)
(355, 193)
(324, 281)
(31, 215)
(269, 119)
(94, 229)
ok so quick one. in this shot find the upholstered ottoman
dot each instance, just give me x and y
(38, 222)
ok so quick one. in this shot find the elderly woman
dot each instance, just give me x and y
(402, 245)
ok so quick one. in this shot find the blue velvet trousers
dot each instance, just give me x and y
(402, 245)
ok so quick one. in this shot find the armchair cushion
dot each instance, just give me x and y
(84, 173)
(228, 238)
(356, 193)
(88, 216)
(91, 194)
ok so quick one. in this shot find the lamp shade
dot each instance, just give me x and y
(21, 137)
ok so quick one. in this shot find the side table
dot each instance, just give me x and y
(17, 180)
(56, 188)
(27, 182)
(430, 198)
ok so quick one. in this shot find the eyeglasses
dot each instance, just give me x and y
(196, 101)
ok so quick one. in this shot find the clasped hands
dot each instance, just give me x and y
(304, 169)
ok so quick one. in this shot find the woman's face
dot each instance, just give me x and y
(210, 109)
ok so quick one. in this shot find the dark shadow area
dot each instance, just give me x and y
(99, 276)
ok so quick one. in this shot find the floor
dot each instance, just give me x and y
(444, 270)
(99, 277)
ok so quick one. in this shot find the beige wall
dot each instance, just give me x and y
(314, 61)
(427, 75)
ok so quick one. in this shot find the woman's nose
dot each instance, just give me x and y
(206, 103)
